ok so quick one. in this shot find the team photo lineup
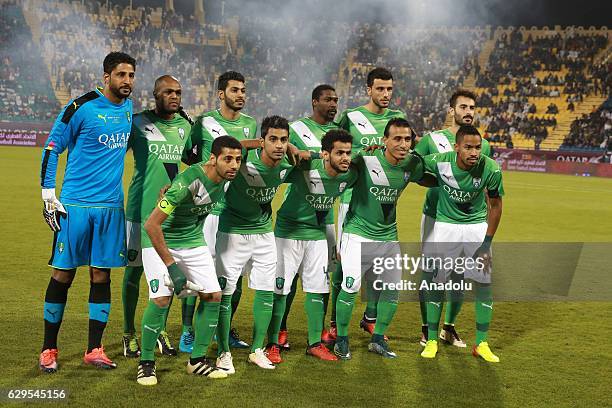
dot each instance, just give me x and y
(196, 233)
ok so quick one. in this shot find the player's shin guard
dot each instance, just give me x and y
(236, 297)
(225, 321)
(484, 311)
(55, 302)
(129, 296)
(387, 306)
(289, 302)
(263, 303)
(454, 301)
(206, 321)
(344, 311)
(335, 289)
(187, 310)
(313, 304)
(99, 309)
(278, 312)
(152, 322)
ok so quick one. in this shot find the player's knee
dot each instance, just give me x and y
(99, 275)
(210, 297)
(162, 301)
(64, 275)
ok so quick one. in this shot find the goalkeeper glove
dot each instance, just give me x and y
(52, 209)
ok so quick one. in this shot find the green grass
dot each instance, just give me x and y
(553, 354)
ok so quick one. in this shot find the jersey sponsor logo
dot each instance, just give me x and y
(106, 118)
(458, 195)
(361, 123)
(305, 134)
(114, 140)
(213, 127)
(262, 195)
(154, 284)
(280, 283)
(320, 202)
(441, 141)
(166, 151)
(203, 209)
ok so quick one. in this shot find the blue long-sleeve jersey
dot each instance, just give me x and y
(96, 132)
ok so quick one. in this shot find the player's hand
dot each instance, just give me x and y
(293, 154)
(370, 149)
(483, 255)
(162, 191)
(52, 209)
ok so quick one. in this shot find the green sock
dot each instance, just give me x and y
(325, 305)
(484, 311)
(187, 309)
(129, 295)
(278, 311)
(224, 325)
(263, 303)
(372, 296)
(422, 302)
(236, 297)
(152, 322)
(336, 288)
(344, 310)
(387, 305)
(289, 302)
(434, 312)
(206, 319)
(313, 304)
(166, 313)
(454, 302)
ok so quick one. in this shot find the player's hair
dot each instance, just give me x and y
(378, 73)
(316, 93)
(225, 77)
(224, 141)
(398, 122)
(115, 58)
(335, 135)
(466, 93)
(275, 122)
(466, 130)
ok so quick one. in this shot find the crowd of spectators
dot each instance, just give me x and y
(592, 131)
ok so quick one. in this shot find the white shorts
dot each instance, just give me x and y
(427, 226)
(457, 242)
(330, 234)
(196, 264)
(234, 251)
(211, 225)
(355, 265)
(132, 232)
(342, 210)
(307, 257)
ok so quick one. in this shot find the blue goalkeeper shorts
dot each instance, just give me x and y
(92, 236)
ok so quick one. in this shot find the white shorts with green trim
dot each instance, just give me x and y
(308, 258)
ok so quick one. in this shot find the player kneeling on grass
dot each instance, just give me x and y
(300, 232)
(464, 228)
(175, 230)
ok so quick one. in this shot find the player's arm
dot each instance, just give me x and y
(420, 173)
(494, 191)
(201, 143)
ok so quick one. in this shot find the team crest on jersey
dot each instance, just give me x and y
(128, 115)
(154, 283)
(181, 133)
(349, 282)
(132, 254)
(342, 186)
(476, 182)
(280, 282)
(282, 174)
(406, 176)
(246, 131)
(60, 247)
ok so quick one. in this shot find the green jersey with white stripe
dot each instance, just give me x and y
(306, 134)
(440, 141)
(367, 129)
(461, 193)
(188, 201)
(372, 210)
(158, 147)
(211, 125)
(247, 208)
(309, 205)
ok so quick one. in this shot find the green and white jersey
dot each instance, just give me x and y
(188, 201)
(306, 134)
(158, 147)
(367, 129)
(309, 205)
(372, 210)
(211, 125)
(247, 208)
(461, 193)
(440, 141)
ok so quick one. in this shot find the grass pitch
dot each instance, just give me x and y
(552, 354)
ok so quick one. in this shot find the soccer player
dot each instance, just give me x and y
(306, 134)
(464, 227)
(175, 230)
(88, 220)
(159, 140)
(227, 120)
(301, 227)
(462, 107)
(245, 236)
(371, 219)
(366, 124)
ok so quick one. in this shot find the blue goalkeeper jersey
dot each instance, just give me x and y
(96, 132)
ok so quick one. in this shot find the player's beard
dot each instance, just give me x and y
(117, 92)
(337, 168)
(233, 106)
(459, 120)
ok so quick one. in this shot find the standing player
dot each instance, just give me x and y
(462, 107)
(227, 120)
(366, 124)
(175, 230)
(301, 226)
(88, 219)
(465, 227)
(306, 134)
(159, 140)
(371, 219)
